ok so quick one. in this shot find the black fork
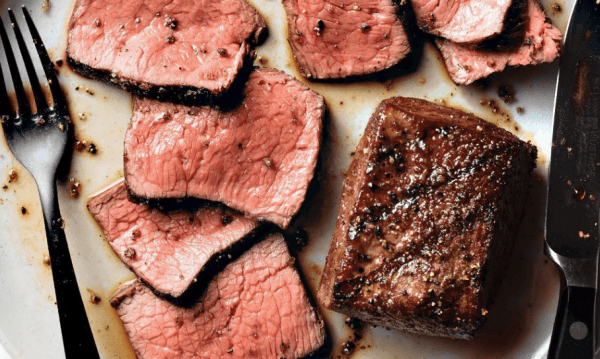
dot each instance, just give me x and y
(38, 140)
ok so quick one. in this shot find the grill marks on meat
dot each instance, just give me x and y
(469, 22)
(258, 158)
(256, 308)
(541, 44)
(427, 220)
(335, 39)
(191, 48)
(167, 250)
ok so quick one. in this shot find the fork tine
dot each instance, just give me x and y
(23, 109)
(5, 108)
(60, 103)
(38, 95)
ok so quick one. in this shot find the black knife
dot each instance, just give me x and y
(573, 206)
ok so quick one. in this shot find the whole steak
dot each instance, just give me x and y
(427, 221)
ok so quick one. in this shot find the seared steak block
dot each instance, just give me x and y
(427, 222)
(336, 39)
(166, 249)
(541, 44)
(472, 22)
(258, 158)
(188, 49)
(256, 308)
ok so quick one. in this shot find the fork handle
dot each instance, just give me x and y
(77, 335)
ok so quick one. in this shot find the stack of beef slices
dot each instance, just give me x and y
(478, 38)
(204, 185)
(245, 303)
(336, 39)
(256, 308)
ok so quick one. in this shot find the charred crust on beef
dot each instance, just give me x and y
(425, 252)
(176, 93)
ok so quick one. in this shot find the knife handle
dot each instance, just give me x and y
(573, 333)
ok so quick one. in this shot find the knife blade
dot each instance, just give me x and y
(573, 207)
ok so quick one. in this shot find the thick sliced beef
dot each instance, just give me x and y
(427, 220)
(167, 250)
(541, 44)
(258, 158)
(256, 308)
(337, 39)
(188, 49)
(471, 22)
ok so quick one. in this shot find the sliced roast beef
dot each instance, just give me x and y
(256, 308)
(258, 158)
(169, 250)
(187, 49)
(427, 220)
(541, 44)
(471, 22)
(336, 39)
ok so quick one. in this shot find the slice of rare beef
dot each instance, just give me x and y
(258, 158)
(473, 22)
(541, 44)
(428, 219)
(256, 308)
(336, 39)
(187, 49)
(167, 249)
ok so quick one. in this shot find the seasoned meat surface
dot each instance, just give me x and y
(256, 308)
(337, 39)
(470, 22)
(167, 249)
(427, 221)
(195, 48)
(541, 44)
(258, 158)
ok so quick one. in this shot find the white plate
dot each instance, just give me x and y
(519, 325)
